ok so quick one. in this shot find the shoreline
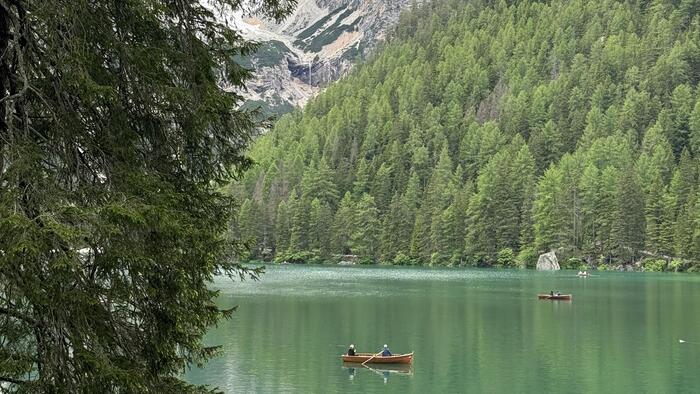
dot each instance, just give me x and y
(607, 268)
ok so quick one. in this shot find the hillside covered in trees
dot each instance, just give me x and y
(488, 132)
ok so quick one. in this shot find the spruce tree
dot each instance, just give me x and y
(364, 239)
(694, 129)
(343, 223)
(282, 228)
(628, 219)
(116, 137)
(319, 228)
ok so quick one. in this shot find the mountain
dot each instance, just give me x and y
(489, 132)
(313, 47)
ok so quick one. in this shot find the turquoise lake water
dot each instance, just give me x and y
(472, 330)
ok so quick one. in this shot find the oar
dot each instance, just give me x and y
(366, 361)
(373, 370)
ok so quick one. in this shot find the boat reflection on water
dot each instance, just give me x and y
(383, 370)
(351, 371)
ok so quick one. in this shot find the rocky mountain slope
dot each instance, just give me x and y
(313, 47)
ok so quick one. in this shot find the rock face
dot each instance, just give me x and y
(313, 47)
(548, 262)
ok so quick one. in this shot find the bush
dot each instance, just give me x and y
(574, 263)
(456, 259)
(653, 265)
(438, 258)
(367, 261)
(695, 268)
(402, 259)
(300, 257)
(506, 257)
(471, 261)
(677, 265)
(603, 267)
(527, 258)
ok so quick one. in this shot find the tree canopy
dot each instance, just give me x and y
(483, 127)
(115, 137)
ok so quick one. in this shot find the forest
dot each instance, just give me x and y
(487, 132)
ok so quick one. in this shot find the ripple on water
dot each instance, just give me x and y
(354, 280)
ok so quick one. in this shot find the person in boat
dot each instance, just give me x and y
(351, 350)
(386, 352)
(551, 293)
(558, 294)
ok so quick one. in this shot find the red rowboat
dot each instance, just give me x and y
(393, 359)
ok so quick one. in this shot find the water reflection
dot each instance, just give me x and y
(383, 370)
(477, 330)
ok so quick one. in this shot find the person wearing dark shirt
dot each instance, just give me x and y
(386, 351)
(351, 350)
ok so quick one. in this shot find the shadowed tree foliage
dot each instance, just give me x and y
(115, 138)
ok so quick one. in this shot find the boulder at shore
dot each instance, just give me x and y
(548, 262)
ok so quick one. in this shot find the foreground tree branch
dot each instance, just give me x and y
(114, 138)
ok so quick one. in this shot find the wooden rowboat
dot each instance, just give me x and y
(554, 297)
(393, 359)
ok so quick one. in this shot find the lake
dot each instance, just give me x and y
(472, 330)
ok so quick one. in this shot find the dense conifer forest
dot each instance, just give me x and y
(485, 133)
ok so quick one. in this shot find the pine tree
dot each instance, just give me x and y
(548, 220)
(364, 240)
(282, 228)
(628, 220)
(409, 203)
(608, 211)
(666, 225)
(694, 126)
(695, 246)
(318, 183)
(389, 244)
(590, 206)
(382, 187)
(546, 144)
(684, 231)
(343, 223)
(654, 214)
(249, 227)
(421, 247)
(438, 199)
(684, 180)
(116, 139)
(299, 229)
(361, 184)
(495, 211)
(681, 109)
(320, 222)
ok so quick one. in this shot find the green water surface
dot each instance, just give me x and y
(481, 331)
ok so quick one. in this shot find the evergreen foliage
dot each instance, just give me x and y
(115, 139)
(484, 128)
